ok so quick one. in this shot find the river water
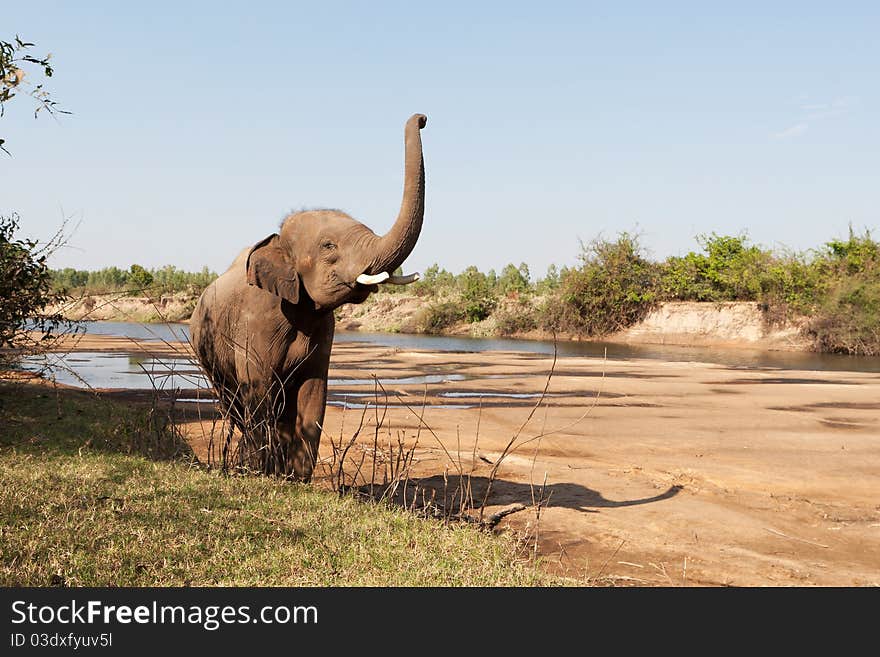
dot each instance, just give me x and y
(114, 370)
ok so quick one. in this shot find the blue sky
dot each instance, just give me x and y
(196, 126)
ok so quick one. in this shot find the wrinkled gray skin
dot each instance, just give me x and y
(263, 330)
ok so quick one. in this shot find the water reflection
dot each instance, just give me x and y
(404, 380)
(737, 358)
(113, 370)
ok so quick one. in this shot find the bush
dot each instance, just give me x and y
(793, 286)
(433, 282)
(848, 321)
(518, 320)
(139, 280)
(551, 281)
(477, 294)
(728, 270)
(613, 289)
(439, 316)
(25, 289)
(514, 281)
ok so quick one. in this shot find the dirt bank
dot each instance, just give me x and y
(118, 307)
(729, 324)
(657, 473)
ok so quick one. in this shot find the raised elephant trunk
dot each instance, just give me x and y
(393, 247)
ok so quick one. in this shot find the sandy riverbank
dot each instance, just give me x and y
(727, 324)
(657, 472)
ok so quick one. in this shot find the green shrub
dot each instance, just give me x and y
(477, 294)
(25, 289)
(848, 320)
(139, 280)
(433, 282)
(514, 281)
(613, 289)
(511, 321)
(728, 270)
(793, 285)
(550, 282)
(857, 255)
(439, 316)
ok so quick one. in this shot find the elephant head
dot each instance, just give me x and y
(330, 258)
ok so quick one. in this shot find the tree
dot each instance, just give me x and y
(14, 58)
(139, 279)
(25, 280)
(477, 294)
(550, 282)
(514, 280)
(615, 287)
(25, 290)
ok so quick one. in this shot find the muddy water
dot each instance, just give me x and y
(740, 358)
(113, 370)
(95, 369)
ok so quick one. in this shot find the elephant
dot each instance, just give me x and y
(263, 330)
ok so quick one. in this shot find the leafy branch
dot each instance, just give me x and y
(15, 56)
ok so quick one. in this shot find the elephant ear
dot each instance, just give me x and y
(270, 268)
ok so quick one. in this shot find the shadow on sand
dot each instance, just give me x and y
(452, 489)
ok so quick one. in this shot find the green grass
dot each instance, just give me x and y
(82, 505)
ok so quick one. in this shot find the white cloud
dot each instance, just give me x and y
(813, 112)
(794, 131)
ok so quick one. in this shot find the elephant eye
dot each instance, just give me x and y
(329, 252)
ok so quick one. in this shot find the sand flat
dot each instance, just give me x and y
(657, 473)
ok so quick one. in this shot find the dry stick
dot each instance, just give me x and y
(376, 433)
(408, 464)
(418, 436)
(400, 464)
(496, 517)
(540, 504)
(341, 471)
(541, 499)
(662, 569)
(379, 424)
(333, 449)
(574, 422)
(422, 423)
(394, 465)
(494, 472)
(543, 434)
(445, 486)
(470, 492)
(613, 554)
(795, 538)
(460, 477)
(359, 468)
(390, 456)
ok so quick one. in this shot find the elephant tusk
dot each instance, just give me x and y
(403, 280)
(383, 277)
(366, 279)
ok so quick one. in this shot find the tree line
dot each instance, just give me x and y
(834, 287)
(136, 280)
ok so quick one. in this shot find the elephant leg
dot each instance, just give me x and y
(301, 434)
